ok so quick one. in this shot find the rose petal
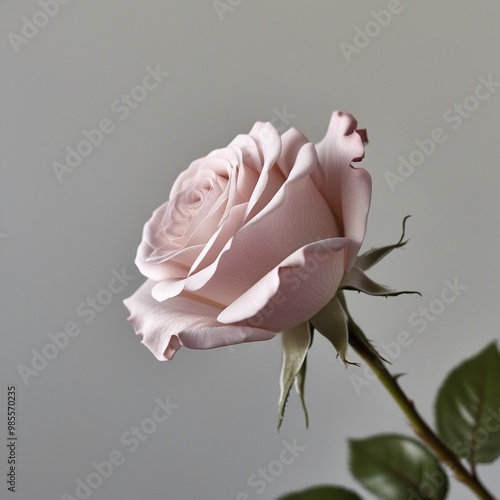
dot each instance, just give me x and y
(269, 142)
(296, 216)
(158, 255)
(159, 264)
(182, 321)
(293, 291)
(249, 150)
(184, 176)
(346, 189)
(291, 143)
(219, 239)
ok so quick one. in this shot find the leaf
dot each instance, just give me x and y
(331, 322)
(374, 255)
(468, 407)
(357, 280)
(394, 467)
(322, 493)
(295, 342)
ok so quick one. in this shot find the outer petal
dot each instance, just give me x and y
(346, 189)
(293, 291)
(182, 321)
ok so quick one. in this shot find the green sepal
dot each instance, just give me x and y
(374, 255)
(394, 467)
(322, 493)
(295, 343)
(356, 334)
(331, 322)
(356, 279)
(468, 408)
(300, 380)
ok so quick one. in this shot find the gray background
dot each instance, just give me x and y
(61, 240)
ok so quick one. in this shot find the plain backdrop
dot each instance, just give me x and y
(229, 64)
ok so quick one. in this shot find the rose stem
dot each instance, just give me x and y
(420, 427)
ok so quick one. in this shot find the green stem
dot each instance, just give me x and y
(420, 427)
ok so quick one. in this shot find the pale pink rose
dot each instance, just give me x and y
(254, 239)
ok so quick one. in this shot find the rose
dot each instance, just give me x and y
(254, 239)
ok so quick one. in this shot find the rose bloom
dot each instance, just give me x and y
(254, 239)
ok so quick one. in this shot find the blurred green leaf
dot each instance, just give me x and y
(468, 408)
(322, 493)
(295, 343)
(396, 467)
